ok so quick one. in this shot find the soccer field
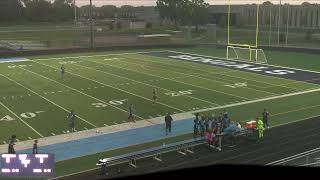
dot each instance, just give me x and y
(35, 100)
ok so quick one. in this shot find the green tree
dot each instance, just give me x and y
(63, 10)
(126, 11)
(199, 13)
(11, 10)
(173, 10)
(39, 10)
(108, 11)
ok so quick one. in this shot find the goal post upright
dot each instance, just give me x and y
(252, 47)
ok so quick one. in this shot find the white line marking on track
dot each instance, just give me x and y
(20, 118)
(53, 134)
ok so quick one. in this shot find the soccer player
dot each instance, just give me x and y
(12, 141)
(265, 115)
(62, 70)
(131, 117)
(35, 147)
(72, 118)
(168, 120)
(154, 97)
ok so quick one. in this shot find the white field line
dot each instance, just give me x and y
(102, 55)
(114, 88)
(48, 100)
(130, 80)
(21, 120)
(257, 63)
(199, 76)
(76, 91)
(298, 82)
(186, 83)
(139, 81)
(258, 100)
(233, 70)
(152, 85)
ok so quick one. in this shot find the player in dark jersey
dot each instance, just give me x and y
(265, 115)
(130, 110)
(72, 118)
(154, 96)
(62, 70)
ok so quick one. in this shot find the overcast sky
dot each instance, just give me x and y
(153, 2)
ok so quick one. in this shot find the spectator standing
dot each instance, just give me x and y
(35, 147)
(265, 115)
(168, 120)
(202, 126)
(12, 141)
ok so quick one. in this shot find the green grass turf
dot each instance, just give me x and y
(99, 80)
(93, 84)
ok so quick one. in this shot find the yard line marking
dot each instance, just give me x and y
(119, 89)
(76, 91)
(20, 118)
(18, 140)
(60, 91)
(85, 128)
(53, 134)
(29, 138)
(193, 75)
(4, 142)
(29, 94)
(115, 123)
(140, 81)
(258, 100)
(196, 85)
(256, 63)
(46, 98)
(159, 115)
(64, 132)
(224, 74)
(105, 55)
(104, 124)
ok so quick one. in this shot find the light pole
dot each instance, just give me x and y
(279, 19)
(91, 25)
(75, 11)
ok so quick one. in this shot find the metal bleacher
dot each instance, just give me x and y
(183, 147)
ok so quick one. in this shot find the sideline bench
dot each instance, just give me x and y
(182, 147)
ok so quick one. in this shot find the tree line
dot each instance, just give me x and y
(57, 10)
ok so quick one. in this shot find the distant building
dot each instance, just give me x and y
(299, 15)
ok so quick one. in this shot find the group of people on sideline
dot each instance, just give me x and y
(12, 143)
(215, 128)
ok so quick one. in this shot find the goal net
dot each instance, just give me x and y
(253, 55)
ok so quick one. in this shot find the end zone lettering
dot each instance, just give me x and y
(235, 65)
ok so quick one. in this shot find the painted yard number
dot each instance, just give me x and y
(179, 93)
(237, 85)
(113, 102)
(26, 115)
